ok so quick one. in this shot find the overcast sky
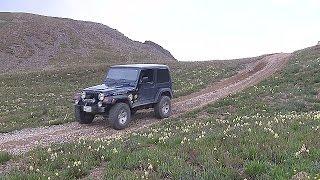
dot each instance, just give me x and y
(196, 29)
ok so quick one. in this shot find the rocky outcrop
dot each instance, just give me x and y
(159, 48)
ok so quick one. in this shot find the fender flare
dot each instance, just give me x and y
(162, 91)
(123, 98)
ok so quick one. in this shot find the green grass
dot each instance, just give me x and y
(269, 131)
(4, 157)
(46, 97)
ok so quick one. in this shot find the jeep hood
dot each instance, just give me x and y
(109, 89)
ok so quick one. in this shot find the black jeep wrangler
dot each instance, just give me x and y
(126, 89)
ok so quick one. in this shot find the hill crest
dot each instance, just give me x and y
(29, 41)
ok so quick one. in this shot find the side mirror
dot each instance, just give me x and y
(144, 79)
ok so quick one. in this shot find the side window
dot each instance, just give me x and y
(163, 75)
(147, 76)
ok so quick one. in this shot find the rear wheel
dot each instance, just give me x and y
(163, 108)
(83, 117)
(119, 116)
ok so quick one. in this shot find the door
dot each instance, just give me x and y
(147, 86)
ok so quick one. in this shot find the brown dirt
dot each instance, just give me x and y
(301, 176)
(97, 173)
(19, 142)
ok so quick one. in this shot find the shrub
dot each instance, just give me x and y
(256, 168)
(4, 157)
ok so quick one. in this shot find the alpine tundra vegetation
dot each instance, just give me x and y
(268, 131)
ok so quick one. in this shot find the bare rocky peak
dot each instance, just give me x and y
(30, 41)
(159, 48)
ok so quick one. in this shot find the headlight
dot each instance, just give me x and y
(83, 95)
(100, 104)
(101, 96)
(107, 100)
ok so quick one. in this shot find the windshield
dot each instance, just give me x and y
(118, 76)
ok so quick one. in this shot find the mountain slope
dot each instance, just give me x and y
(28, 41)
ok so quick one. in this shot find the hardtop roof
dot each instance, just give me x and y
(142, 66)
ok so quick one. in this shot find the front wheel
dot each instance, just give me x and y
(163, 108)
(83, 117)
(119, 116)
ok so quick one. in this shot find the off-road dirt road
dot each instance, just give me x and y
(24, 140)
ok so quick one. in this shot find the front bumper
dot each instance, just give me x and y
(91, 109)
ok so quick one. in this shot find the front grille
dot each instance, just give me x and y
(91, 98)
(90, 101)
(91, 95)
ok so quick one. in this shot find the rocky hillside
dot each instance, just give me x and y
(30, 41)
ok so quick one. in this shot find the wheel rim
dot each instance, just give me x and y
(123, 116)
(165, 108)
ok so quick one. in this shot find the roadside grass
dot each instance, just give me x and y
(269, 131)
(46, 97)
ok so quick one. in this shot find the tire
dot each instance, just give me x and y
(83, 117)
(163, 108)
(119, 116)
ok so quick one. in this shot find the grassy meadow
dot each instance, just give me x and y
(42, 98)
(268, 131)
